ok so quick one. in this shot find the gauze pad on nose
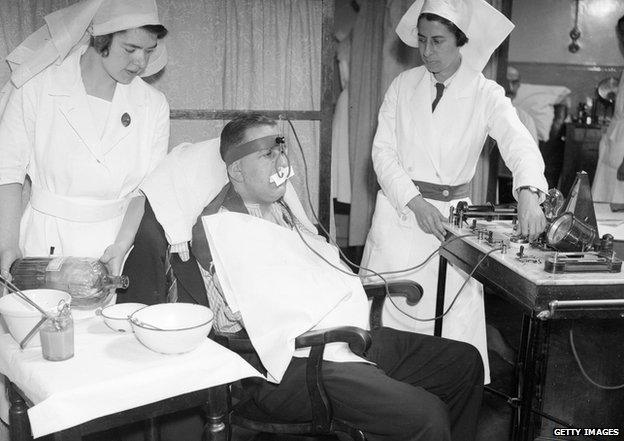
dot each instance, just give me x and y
(283, 171)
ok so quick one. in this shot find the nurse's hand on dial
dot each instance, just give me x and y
(531, 219)
(113, 258)
(429, 218)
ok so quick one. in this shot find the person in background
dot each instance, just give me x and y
(608, 185)
(511, 89)
(86, 130)
(432, 126)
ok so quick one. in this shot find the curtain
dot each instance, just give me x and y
(365, 97)
(223, 54)
(479, 183)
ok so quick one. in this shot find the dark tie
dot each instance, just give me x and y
(439, 91)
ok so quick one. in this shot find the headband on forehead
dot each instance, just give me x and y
(233, 154)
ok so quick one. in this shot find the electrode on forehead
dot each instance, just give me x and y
(233, 154)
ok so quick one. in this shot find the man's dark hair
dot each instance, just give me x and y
(460, 37)
(234, 132)
(102, 43)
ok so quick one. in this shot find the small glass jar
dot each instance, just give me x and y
(57, 336)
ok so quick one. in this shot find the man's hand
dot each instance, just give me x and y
(113, 258)
(7, 257)
(620, 172)
(429, 218)
(531, 218)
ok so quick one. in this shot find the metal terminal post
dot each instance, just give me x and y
(520, 253)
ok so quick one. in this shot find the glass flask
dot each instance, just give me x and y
(85, 279)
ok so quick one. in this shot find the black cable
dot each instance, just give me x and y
(461, 288)
(578, 362)
(344, 257)
(375, 273)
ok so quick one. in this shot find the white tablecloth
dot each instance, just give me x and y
(110, 372)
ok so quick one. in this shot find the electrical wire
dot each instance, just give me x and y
(580, 365)
(515, 403)
(461, 288)
(374, 273)
(329, 238)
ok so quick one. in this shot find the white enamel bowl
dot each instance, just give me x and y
(116, 316)
(172, 328)
(20, 317)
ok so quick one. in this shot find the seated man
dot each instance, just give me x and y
(416, 388)
(410, 387)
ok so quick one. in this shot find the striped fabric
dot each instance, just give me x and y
(170, 279)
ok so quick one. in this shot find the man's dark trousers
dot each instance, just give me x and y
(422, 388)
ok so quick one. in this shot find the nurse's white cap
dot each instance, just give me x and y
(70, 27)
(485, 27)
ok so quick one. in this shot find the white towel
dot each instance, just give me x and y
(281, 288)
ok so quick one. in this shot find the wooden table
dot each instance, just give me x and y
(215, 402)
(541, 296)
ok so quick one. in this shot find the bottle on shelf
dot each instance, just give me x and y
(85, 279)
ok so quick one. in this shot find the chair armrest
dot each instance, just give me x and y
(358, 339)
(409, 289)
(238, 342)
(412, 291)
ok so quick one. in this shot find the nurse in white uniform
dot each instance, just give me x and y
(608, 185)
(432, 126)
(85, 128)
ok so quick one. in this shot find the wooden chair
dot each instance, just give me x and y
(247, 415)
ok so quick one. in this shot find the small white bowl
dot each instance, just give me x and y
(117, 316)
(21, 317)
(172, 328)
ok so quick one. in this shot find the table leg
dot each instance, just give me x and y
(529, 377)
(437, 330)
(217, 410)
(19, 426)
(519, 375)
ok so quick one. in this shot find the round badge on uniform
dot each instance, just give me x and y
(125, 119)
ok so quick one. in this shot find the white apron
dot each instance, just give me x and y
(81, 184)
(606, 187)
(411, 143)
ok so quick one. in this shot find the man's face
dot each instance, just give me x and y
(437, 46)
(257, 168)
(129, 54)
(513, 82)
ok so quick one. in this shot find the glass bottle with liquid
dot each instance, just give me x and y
(57, 336)
(84, 278)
